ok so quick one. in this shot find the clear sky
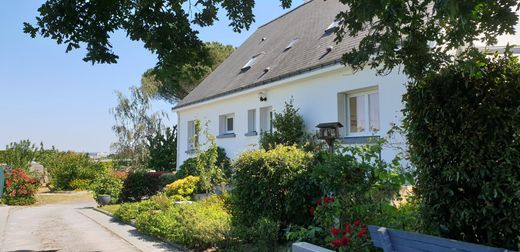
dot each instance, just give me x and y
(49, 96)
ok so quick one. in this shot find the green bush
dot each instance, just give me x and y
(19, 187)
(107, 185)
(273, 184)
(139, 185)
(200, 225)
(183, 189)
(65, 167)
(266, 234)
(130, 211)
(167, 178)
(464, 138)
(79, 184)
(290, 128)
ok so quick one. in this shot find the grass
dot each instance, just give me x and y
(45, 197)
(110, 208)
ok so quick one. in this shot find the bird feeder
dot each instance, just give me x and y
(329, 132)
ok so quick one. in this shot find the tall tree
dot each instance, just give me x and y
(417, 34)
(172, 85)
(134, 124)
(19, 155)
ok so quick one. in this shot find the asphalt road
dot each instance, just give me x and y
(57, 227)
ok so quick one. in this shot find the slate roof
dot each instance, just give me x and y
(307, 23)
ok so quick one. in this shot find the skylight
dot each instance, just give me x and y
(293, 42)
(251, 62)
(333, 26)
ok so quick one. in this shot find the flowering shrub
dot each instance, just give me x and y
(107, 184)
(19, 187)
(353, 237)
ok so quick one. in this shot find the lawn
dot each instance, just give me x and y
(110, 208)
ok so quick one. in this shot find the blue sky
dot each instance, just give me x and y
(49, 96)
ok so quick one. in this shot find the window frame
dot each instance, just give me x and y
(366, 104)
(226, 124)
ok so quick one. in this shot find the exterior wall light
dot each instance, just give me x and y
(262, 96)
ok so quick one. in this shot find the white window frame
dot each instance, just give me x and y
(366, 104)
(191, 135)
(226, 123)
(266, 119)
(251, 121)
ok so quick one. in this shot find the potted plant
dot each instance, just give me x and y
(107, 189)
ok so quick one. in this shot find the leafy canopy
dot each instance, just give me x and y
(417, 34)
(175, 83)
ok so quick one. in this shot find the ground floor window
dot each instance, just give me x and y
(362, 112)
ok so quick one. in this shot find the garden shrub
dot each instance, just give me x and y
(64, 167)
(290, 128)
(19, 187)
(273, 184)
(130, 211)
(361, 182)
(139, 185)
(266, 234)
(200, 225)
(167, 178)
(183, 189)
(107, 184)
(79, 184)
(463, 131)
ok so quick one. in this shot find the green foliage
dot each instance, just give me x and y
(107, 184)
(189, 167)
(361, 182)
(162, 149)
(130, 211)
(134, 124)
(175, 83)
(167, 178)
(19, 155)
(65, 167)
(19, 187)
(200, 225)
(272, 184)
(79, 184)
(183, 189)
(164, 28)
(139, 185)
(463, 131)
(290, 128)
(400, 33)
(266, 234)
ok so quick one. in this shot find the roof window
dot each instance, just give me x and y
(333, 26)
(293, 42)
(251, 62)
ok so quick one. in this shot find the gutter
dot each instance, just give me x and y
(261, 83)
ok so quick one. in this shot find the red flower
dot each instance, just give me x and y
(362, 232)
(345, 241)
(312, 211)
(336, 243)
(318, 201)
(327, 200)
(347, 228)
(357, 223)
(334, 231)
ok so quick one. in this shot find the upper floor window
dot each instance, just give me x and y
(363, 113)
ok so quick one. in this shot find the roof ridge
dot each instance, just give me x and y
(285, 14)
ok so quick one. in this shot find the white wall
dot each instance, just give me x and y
(316, 94)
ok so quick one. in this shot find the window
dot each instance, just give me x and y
(333, 26)
(251, 122)
(192, 135)
(251, 62)
(266, 119)
(227, 124)
(293, 42)
(363, 113)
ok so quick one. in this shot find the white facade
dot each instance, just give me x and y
(320, 95)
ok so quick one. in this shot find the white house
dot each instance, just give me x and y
(293, 56)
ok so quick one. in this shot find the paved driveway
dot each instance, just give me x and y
(71, 226)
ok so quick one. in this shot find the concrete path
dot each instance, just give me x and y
(72, 226)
